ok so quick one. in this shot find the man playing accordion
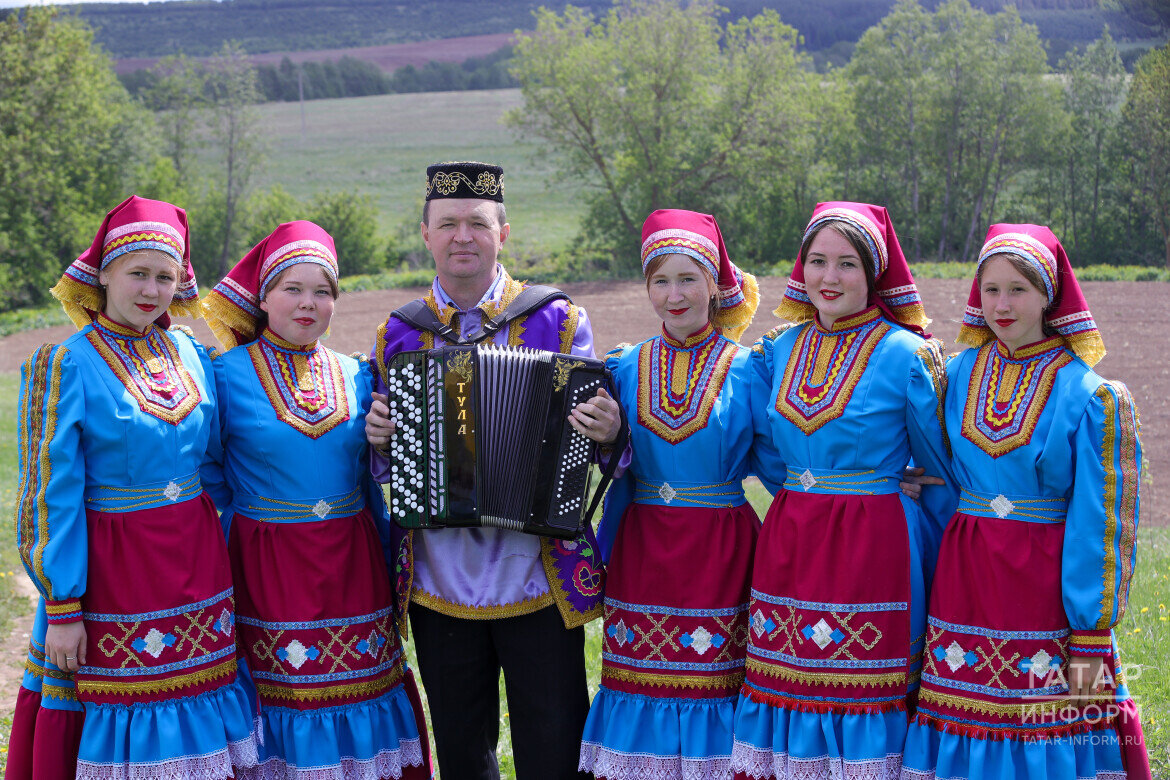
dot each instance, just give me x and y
(482, 598)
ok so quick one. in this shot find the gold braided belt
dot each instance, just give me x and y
(1030, 509)
(130, 498)
(719, 494)
(848, 482)
(274, 510)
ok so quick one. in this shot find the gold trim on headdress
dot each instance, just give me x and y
(226, 319)
(734, 321)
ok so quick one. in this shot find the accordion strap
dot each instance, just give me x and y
(418, 315)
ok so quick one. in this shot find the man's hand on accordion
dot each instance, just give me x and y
(379, 426)
(599, 418)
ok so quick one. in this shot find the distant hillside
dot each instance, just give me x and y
(388, 57)
(199, 27)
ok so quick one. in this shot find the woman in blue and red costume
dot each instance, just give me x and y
(132, 667)
(842, 401)
(1021, 676)
(307, 524)
(681, 531)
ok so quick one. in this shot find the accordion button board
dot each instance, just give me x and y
(482, 438)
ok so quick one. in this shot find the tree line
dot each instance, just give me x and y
(75, 142)
(950, 117)
(351, 77)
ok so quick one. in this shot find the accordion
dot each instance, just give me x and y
(483, 439)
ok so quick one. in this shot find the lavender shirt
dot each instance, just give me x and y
(481, 567)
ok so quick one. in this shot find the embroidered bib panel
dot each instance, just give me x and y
(679, 382)
(149, 367)
(1006, 395)
(825, 367)
(306, 387)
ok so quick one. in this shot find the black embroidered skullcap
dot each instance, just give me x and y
(465, 180)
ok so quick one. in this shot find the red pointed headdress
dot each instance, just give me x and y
(895, 292)
(135, 223)
(677, 231)
(1067, 314)
(232, 308)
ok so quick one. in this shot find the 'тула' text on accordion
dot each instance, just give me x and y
(482, 438)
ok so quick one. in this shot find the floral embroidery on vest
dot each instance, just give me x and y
(149, 367)
(678, 382)
(305, 385)
(825, 367)
(1005, 395)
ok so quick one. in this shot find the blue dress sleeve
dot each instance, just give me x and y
(1100, 536)
(926, 427)
(51, 532)
(211, 471)
(621, 491)
(364, 381)
(766, 462)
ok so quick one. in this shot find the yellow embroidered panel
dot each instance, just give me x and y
(678, 382)
(825, 367)
(306, 387)
(511, 289)
(39, 399)
(569, 328)
(1120, 467)
(1006, 395)
(164, 684)
(770, 335)
(487, 612)
(930, 354)
(149, 367)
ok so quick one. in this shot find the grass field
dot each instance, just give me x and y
(1144, 634)
(381, 145)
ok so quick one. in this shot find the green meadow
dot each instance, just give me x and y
(381, 146)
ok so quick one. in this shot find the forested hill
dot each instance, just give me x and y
(199, 27)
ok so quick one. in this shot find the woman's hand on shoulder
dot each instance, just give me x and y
(599, 418)
(65, 645)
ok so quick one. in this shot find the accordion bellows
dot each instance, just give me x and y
(483, 438)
